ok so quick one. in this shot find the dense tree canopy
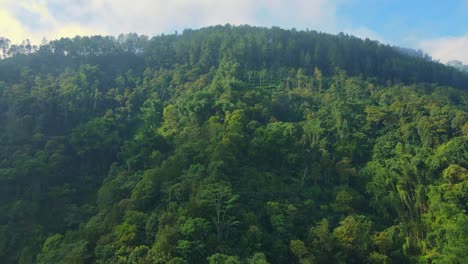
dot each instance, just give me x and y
(230, 145)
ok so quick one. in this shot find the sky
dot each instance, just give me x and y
(437, 27)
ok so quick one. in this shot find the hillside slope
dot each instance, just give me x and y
(231, 145)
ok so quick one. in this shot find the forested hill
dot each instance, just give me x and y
(231, 145)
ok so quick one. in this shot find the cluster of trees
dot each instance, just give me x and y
(458, 65)
(231, 145)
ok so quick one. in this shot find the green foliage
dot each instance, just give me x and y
(230, 145)
(301, 252)
(56, 250)
(353, 237)
(223, 259)
(257, 258)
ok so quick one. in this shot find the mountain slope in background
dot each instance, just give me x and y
(231, 145)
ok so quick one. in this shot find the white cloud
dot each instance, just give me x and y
(156, 16)
(14, 27)
(39, 8)
(153, 17)
(312, 14)
(447, 48)
(10, 27)
(57, 18)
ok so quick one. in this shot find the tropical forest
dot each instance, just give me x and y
(231, 144)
